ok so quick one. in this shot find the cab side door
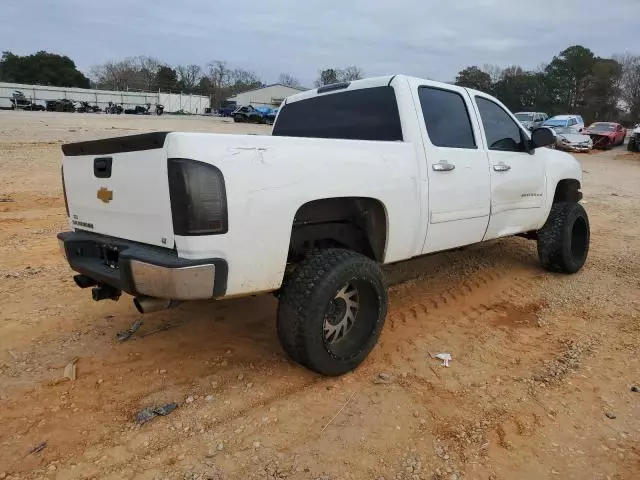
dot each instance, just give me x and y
(518, 181)
(457, 168)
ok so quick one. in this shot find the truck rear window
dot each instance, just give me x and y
(365, 114)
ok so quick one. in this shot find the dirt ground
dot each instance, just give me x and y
(539, 386)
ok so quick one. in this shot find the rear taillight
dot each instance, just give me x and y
(64, 191)
(198, 198)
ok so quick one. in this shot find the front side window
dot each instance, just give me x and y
(446, 118)
(501, 131)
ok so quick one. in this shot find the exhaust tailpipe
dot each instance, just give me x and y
(151, 304)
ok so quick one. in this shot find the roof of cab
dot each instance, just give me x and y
(353, 85)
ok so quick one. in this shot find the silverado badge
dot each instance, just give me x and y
(105, 194)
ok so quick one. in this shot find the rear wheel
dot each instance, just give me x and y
(631, 145)
(563, 241)
(332, 310)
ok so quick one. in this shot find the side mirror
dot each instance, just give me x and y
(542, 137)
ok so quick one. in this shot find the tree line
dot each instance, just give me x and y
(217, 79)
(576, 81)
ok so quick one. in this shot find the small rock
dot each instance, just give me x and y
(249, 385)
(256, 444)
(635, 388)
(51, 468)
(240, 377)
(610, 415)
(3, 476)
(99, 381)
(209, 398)
(162, 371)
(383, 378)
(220, 446)
(189, 399)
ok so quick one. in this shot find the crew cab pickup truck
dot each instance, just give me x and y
(354, 175)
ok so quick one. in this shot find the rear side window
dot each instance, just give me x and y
(446, 118)
(365, 114)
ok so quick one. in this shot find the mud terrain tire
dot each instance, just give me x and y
(332, 310)
(563, 241)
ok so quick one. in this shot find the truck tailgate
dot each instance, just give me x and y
(119, 187)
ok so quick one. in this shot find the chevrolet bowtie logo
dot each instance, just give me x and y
(105, 194)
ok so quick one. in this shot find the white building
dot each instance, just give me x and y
(39, 94)
(269, 96)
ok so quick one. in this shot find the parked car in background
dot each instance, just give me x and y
(20, 102)
(575, 122)
(606, 134)
(531, 120)
(572, 141)
(60, 105)
(634, 140)
(250, 114)
(227, 110)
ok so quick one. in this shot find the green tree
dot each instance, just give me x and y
(327, 77)
(41, 68)
(602, 91)
(473, 77)
(166, 79)
(336, 75)
(569, 74)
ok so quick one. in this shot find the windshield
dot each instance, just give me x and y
(564, 130)
(602, 127)
(556, 123)
(525, 117)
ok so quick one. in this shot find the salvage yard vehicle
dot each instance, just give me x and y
(572, 141)
(606, 134)
(355, 175)
(86, 107)
(531, 120)
(60, 105)
(250, 114)
(19, 101)
(574, 122)
(634, 140)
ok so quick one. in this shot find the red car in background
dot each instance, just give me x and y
(606, 134)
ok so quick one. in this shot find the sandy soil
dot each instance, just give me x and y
(540, 361)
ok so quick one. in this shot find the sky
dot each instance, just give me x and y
(425, 38)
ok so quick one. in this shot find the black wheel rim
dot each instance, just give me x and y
(350, 319)
(579, 238)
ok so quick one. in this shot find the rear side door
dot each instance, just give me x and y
(457, 169)
(517, 177)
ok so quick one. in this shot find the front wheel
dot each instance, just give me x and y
(631, 145)
(563, 241)
(332, 310)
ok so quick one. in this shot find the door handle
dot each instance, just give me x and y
(443, 166)
(501, 167)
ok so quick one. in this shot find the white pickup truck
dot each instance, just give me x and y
(354, 175)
